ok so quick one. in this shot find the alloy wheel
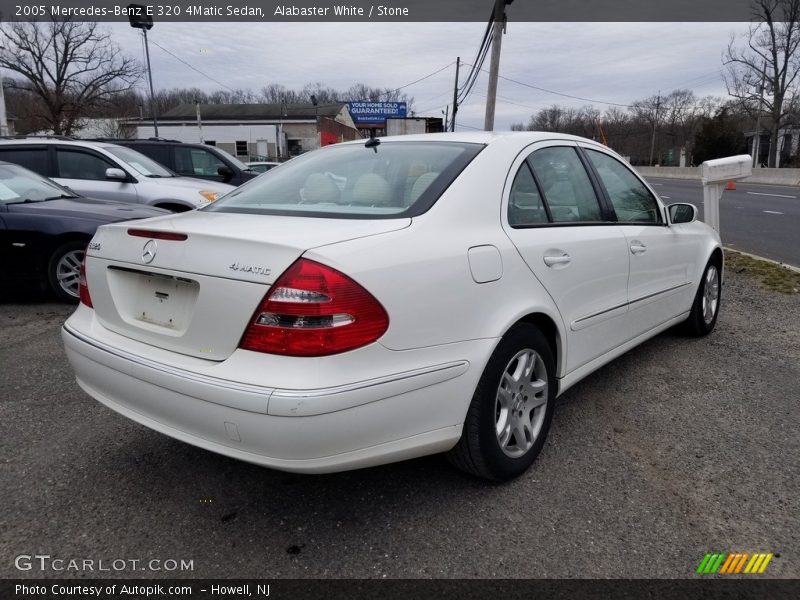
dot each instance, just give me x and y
(520, 403)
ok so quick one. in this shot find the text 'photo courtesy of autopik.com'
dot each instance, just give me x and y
(405, 299)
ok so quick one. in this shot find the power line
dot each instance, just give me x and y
(447, 66)
(206, 75)
(508, 100)
(466, 89)
(422, 110)
(547, 91)
(469, 127)
(480, 57)
(716, 73)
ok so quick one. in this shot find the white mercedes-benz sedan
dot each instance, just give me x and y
(376, 301)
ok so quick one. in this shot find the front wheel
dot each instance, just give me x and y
(63, 270)
(705, 309)
(510, 413)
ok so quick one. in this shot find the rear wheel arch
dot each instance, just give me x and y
(510, 411)
(70, 244)
(549, 329)
(59, 240)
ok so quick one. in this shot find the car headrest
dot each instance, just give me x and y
(422, 183)
(372, 190)
(319, 189)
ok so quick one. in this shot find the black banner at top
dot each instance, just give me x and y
(368, 11)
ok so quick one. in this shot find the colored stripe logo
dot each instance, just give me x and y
(733, 563)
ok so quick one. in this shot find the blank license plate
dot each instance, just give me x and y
(164, 301)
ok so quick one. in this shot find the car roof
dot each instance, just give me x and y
(38, 141)
(162, 142)
(479, 137)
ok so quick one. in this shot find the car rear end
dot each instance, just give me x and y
(236, 329)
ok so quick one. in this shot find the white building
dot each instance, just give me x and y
(251, 131)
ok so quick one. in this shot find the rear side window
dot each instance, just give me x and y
(34, 159)
(158, 152)
(566, 185)
(194, 162)
(75, 164)
(391, 179)
(631, 200)
(525, 206)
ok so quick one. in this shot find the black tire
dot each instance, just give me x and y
(479, 451)
(699, 323)
(59, 266)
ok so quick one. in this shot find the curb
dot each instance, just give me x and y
(761, 258)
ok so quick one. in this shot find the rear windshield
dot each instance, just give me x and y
(389, 180)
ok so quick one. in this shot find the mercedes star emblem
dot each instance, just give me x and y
(149, 252)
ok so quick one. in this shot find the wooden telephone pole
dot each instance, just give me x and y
(494, 67)
(455, 96)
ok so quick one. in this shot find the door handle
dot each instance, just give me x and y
(638, 247)
(552, 261)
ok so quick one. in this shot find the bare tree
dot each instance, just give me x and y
(114, 128)
(770, 56)
(72, 67)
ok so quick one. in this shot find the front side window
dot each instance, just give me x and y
(566, 186)
(388, 180)
(77, 164)
(631, 200)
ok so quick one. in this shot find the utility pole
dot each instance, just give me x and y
(455, 96)
(446, 112)
(137, 15)
(150, 79)
(757, 136)
(494, 67)
(655, 124)
(3, 120)
(199, 121)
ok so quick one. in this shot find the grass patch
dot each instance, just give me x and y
(771, 276)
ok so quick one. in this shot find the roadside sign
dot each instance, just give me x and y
(376, 113)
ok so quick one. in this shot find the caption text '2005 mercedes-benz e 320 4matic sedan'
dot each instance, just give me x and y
(376, 301)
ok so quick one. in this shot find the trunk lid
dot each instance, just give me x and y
(196, 296)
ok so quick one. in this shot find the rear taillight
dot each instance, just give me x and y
(314, 310)
(83, 286)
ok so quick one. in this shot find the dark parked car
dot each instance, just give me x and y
(45, 228)
(193, 160)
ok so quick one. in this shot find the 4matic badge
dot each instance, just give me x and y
(237, 266)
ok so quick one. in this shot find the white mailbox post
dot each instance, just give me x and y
(716, 174)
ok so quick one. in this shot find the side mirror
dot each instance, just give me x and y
(682, 213)
(116, 174)
(225, 172)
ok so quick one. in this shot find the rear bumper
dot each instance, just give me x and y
(393, 417)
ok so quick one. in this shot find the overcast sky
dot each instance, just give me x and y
(611, 62)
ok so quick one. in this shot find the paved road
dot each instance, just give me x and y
(760, 219)
(680, 447)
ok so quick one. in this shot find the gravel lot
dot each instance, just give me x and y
(678, 448)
